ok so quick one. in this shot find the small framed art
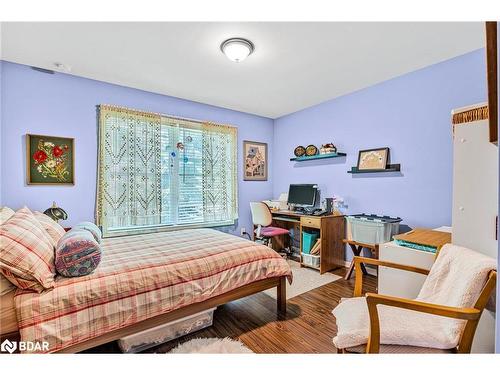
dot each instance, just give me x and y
(50, 160)
(373, 159)
(254, 161)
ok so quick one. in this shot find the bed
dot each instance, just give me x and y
(147, 280)
(8, 314)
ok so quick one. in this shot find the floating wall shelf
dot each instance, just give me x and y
(390, 168)
(320, 156)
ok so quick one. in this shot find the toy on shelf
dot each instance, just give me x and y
(328, 148)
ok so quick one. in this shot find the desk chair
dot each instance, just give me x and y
(262, 219)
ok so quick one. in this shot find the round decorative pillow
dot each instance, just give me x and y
(77, 253)
(92, 228)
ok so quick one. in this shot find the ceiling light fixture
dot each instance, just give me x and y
(237, 49)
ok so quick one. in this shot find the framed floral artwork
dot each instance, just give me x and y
(254, 161)
(50, 160)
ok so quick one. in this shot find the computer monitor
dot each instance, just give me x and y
(302, 195)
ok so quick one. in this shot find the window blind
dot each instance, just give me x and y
(178, 172)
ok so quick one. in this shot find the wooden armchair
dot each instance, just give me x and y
(471, 315)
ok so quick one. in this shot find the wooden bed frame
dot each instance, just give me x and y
(278, 282)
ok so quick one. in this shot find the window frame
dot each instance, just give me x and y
(181, 123)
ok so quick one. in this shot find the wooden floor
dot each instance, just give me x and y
(308, 327)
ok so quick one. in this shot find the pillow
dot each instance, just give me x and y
(27, 254)
(92, 228)
(5, 285)
(5, 214)
(77, 253)
(54, 230)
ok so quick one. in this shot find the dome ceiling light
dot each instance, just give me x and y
(237, 49)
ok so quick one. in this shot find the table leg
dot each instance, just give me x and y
(349, 271)
(356, 250)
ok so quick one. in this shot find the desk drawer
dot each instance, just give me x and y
(309, 221)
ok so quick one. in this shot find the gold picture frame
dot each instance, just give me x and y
(50, 160)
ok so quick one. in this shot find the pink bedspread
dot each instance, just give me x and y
(140, 277)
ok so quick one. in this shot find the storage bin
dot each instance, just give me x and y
(373, 229)
(157, 335)
(308, 241)
(310, 260)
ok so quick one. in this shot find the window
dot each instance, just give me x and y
(157, 172)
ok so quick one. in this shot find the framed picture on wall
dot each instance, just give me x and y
(373, 159)
(50, 160)
(254, 161)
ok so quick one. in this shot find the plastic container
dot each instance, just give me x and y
(373, 229)
(157, 335)
(308, 241)
(310, 260)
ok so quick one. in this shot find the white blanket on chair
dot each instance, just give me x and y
(456, 279)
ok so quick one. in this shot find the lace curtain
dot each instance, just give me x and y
(129, 180)
(159, 171)
(220, 201)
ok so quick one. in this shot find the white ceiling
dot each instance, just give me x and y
(294, 66)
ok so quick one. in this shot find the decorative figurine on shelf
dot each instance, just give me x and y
(56, 213)
(311, 150)
(299, 151)
(328, 148)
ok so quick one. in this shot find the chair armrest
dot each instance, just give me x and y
(465, 313)
(384, 263)
(359, 275)
(373, 300)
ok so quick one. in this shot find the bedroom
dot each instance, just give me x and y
(213, 188)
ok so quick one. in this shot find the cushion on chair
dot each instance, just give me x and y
(77, 253)
(456, 279)
(397, 326)
(273, 231)
(92, 228)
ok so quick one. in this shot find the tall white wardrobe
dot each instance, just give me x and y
(475, 198)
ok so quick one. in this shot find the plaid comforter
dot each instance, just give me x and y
(140, 277)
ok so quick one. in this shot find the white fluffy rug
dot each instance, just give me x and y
(211, 346)
(304, 280)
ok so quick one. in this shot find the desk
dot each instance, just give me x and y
(331, 230)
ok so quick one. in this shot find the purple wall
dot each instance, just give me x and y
(65, 105)
(411, 115)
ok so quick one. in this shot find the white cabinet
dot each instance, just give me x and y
(475, 199)
(475, 187)
(401, 283)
